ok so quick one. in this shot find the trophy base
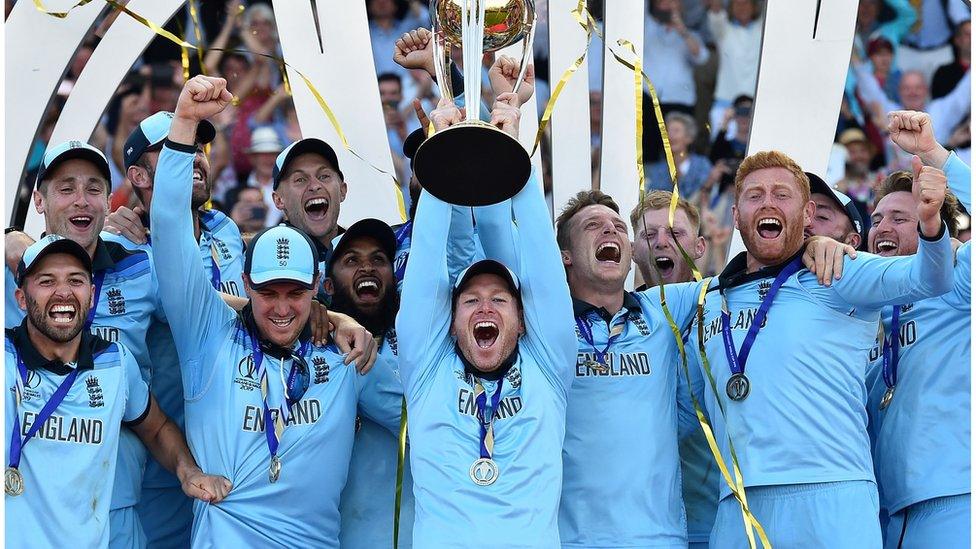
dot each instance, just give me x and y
(472, 164)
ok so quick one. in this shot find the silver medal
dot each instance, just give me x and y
(597, 367)
(13, 482)
(886, 399)
(483, 472)
(274, 471)
(737, 387)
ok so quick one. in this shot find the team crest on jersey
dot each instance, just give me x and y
(391, 340)
(282, 251)
(95, 397)
(116, 302)
(464, 377)
(223, 250)
(247, 374)
(907, 307)
(764, 287)
(399, 262)
(579, 335)
(514, 377)
(321, 370)
(638, 320)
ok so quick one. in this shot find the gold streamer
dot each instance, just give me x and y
(401, 459)
(311, 87)
(195, 17)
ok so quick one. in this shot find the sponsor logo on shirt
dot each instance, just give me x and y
(79, 430)
(617, 365)
(321, 368)
(95, 397)
(303, 412)
(116, 302)
(247, 374)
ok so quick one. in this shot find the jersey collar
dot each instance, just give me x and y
(735, 272)
(493, 375)
(581, 308)
(33, 359)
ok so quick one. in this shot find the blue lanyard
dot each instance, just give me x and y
(259, 369)
(737, 360)
(16, 444)
(587, 333)
(889, 350)
(402, 235)
(487, 416)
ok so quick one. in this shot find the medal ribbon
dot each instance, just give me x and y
(889, 350)
(273, 435)
(737, 360)
(215, 268)
(616, 330)
(16, 444)
(97, 281)
(404, 233)
(486, 415)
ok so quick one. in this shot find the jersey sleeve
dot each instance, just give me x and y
(423, 322)
(545, 292)
(136, 389)
(498, 236)
(962, 285)
(681, 299)
(875, 281)
(958, 175)
(193, 307)
(381, 395)
(461, 244)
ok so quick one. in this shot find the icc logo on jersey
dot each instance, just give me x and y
(247, 373)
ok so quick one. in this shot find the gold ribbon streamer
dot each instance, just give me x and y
(737, 485)
(195, 17)
(401, 459)
(311, 87)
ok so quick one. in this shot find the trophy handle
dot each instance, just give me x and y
(442, 63)
(526, 56)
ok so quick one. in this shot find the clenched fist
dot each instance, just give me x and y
(929, 190)
(202, 97)
(912, 132)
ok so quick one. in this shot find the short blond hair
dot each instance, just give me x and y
(771, 159)
(657, 200)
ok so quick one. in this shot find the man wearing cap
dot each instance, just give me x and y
(485, 374)
(264, 404)
(265, 147)
(859, 180)
(70, 393)
(788, 351)
(72, 194)
(164, 512)
(920, 373)
(361, 284)
(836, 216)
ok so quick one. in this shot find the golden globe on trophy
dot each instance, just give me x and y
(474, 163)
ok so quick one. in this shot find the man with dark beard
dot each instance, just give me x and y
(361, 284)
(55, 491)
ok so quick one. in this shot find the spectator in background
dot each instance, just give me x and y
(264, 149)
(388, 20)
(926, 47)
(250, 211)
(128, 107)
(278, 112)
(960, 141)
(738, 35)
(692, 169)
(948, 76)
(391, 95)
(78, 62)
(733, 149)
(881, 52)
(859, 181)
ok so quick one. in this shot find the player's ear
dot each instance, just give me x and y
(699, 247)
(567, 260)
(328, 286)
(21, 299)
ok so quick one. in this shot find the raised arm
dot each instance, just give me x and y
(912, 132)
(949, 110)
(193, 307)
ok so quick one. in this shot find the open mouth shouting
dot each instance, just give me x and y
(82, 222)
(368, 288)
(885, 247)
(608, 251)
(62, 313)
(769, 228)
(485, 333)
(316, 208)
(665, 265)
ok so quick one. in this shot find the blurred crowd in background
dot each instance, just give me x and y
(701, 55)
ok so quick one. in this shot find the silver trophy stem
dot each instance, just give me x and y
(442, 62)
(527, 56)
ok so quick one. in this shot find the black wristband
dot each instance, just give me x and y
(12, 229)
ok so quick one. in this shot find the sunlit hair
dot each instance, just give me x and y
(902, 182)
(657, 200)
(771, 159)
(573, 207)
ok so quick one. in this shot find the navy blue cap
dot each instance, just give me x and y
(846, 203)
(373, 228)
(302, 146)
(151, 132)
(47, 245)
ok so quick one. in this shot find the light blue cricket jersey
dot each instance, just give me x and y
(69, 464)
(367, 502)
(922, 439)
(520, 508)
(126, 307)
(804, 419)
(224, 410)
